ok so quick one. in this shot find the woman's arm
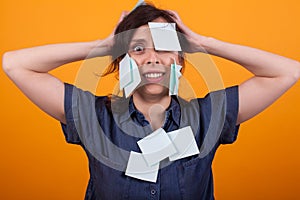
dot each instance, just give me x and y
(273, 74)
(28, 69)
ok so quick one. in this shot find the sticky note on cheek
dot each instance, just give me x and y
(174, 79)
(125, 71)
(164, 36)
(129, 75)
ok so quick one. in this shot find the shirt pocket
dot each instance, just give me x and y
(108, 183)
(195, 178)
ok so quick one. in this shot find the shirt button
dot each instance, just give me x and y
(153, 192)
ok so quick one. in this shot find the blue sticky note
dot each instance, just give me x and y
(139, 3)
(174, 78)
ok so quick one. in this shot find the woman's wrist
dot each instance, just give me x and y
(208, 44)
(99, 48)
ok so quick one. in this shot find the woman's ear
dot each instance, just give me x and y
(181, 61)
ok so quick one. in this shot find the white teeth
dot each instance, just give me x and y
(153, 75)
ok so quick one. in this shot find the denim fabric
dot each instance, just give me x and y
(188, 178)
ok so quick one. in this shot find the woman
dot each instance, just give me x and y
(187, 178)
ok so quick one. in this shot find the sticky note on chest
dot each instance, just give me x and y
(156, 147)
(138, 168)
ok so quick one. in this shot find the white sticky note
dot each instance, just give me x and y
(125, 75)
(156, 147)
(129, 75)
(138, 168)
(136, 78)
(185, 143)
(175, 74)
(164, 36)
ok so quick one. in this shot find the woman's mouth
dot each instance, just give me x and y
(154, 77)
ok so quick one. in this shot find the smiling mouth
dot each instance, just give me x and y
(153, 75)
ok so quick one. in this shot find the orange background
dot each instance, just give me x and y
(36, 162)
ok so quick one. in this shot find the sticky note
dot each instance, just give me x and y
(129, 75)
(174, 78)
(138, 168)
(184, 142)
(156, 147)
(139, 3)
(164, 36)
(125, 72)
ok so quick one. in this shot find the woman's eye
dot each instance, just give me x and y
(138, 49)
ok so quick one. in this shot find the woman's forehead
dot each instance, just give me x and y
(143, 32)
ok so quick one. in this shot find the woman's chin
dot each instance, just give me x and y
(154, 89)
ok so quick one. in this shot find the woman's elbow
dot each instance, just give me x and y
(10, 63)
(7, 62)
(291, 72)
(296, 74)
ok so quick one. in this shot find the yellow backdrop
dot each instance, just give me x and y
(36, 162)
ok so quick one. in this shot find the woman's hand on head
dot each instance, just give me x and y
(193, 39)
(108, 42)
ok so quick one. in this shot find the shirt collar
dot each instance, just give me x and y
(172, 112)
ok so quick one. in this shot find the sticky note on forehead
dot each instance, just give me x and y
(164, 36)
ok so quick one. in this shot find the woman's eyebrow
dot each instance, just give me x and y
(138, 40)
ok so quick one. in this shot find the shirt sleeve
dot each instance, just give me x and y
(218, 116)
(230, 129)
(74, 100)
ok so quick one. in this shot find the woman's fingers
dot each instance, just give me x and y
(179, 22)
(175, 14)
(123, 14)
(109, 41)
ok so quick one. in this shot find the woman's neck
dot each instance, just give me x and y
(153, 107)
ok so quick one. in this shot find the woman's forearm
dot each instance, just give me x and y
(273, 74)
(48, 57)
(28, 69)
(258, 62)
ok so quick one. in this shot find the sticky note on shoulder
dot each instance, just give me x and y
(164, 36)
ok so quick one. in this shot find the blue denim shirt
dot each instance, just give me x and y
(187, 178)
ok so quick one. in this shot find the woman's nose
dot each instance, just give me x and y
(153, 57)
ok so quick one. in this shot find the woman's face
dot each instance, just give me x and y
(154, 65)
